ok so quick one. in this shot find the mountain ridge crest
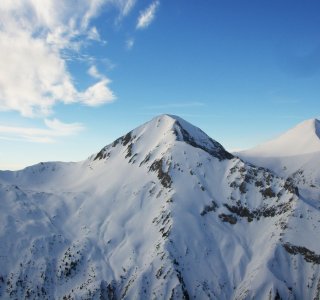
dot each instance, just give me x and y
(168, 129)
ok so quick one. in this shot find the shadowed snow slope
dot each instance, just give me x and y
(164, 212)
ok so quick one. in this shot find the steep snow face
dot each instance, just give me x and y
(163, 212)
(295, 154)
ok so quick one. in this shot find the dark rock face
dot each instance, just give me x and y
(107, 291)
(290, 187)
(124, 140)
(102, 154)
(228, 218)
(265, 212)
(208, 208)
(268, 192)
(307, 254)
(164, 177)
(213, 148)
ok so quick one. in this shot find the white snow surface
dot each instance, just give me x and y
(294, 154)
(300, 140)
(164, 212)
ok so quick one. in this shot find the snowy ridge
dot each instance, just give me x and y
(302, 139)
(163, 212)
(166, 130)
(294, 154)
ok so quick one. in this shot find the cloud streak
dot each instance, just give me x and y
(54, 129)
(147, 15)
(124, 6)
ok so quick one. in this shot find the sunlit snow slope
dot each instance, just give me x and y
(294, 154)
(163, 212)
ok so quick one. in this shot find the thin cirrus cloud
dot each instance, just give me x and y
(54, 129)
(94, 35)
(125, 7)
(34, 36)
(147, 15)
(129, 43)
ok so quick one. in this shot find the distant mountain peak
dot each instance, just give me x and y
(302, 139)
(307, 126)
(294, 154)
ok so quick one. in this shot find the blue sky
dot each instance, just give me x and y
(77, 74)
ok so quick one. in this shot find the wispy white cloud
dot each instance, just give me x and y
(93, 72)
(54, 129)
(124, 6)
(98, 93)
(130, 43)
(34, 39)
(147, 15)
(93, 34)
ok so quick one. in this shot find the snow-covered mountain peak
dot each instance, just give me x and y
(310, 127)
(159, 135)
(295, 154)
(164, 212)
(301, 139)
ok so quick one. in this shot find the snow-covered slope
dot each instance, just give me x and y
(164, 212)
(300, 140)
(294, 154)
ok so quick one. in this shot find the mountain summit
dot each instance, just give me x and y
(163, 212)
(295, 154)
(302, 139)
(167, 130)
